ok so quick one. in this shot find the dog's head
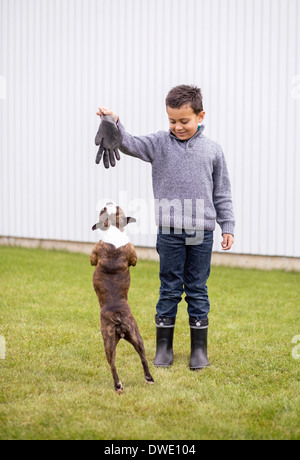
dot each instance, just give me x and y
(113, 215)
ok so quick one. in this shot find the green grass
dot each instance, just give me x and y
(55, 382)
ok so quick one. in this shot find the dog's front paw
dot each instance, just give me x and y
(119, 388)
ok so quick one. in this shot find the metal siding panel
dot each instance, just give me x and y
(273, 131)
(288, 216)
(254, 127)
(63, 58)
(3, 120)
(296, 134)
(282, 153)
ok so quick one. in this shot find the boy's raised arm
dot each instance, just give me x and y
(142, 147)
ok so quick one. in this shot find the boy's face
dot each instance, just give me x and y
(184, 122)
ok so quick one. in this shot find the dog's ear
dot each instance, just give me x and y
(129, 220)
(97, 225)
(103, 223)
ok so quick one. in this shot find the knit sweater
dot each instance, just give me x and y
(190, 180)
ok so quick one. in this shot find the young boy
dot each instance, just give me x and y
(189, 173)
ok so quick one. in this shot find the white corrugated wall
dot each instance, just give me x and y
(60, 59)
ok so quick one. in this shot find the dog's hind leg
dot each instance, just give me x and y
(136, 340)
(110, 345)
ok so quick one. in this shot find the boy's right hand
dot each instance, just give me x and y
(105, 111)
(108, 138)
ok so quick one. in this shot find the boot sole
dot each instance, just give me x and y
(163, 365)
(199, 368)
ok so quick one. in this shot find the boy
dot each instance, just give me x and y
(189, 173)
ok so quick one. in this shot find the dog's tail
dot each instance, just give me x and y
(121, 329)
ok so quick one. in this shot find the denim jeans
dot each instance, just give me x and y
(183, 268)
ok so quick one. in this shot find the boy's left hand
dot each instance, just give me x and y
(227, 242)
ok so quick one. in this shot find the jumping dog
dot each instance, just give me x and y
(113, 256)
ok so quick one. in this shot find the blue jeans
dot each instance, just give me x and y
(183, 268)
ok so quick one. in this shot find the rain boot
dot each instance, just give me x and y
(164, 341)
(199, 329)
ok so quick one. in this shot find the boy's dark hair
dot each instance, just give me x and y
(185, 94)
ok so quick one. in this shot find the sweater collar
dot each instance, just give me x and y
(197, 134)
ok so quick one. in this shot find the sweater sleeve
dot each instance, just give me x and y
(222, 195)
(142, 147)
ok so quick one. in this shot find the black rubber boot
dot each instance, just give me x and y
(164, 341)
(199, 329)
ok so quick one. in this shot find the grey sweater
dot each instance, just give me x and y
(190, 180)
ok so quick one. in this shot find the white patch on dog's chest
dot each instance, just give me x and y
(114, 236)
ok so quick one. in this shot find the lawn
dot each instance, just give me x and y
(55, 382)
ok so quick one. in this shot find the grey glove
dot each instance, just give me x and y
(109, 139)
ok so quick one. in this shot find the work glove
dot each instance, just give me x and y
(109, 139)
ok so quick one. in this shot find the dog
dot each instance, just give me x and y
(113, 256)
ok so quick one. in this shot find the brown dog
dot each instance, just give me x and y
(113, 256)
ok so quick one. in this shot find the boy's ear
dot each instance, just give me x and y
(201, 117)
